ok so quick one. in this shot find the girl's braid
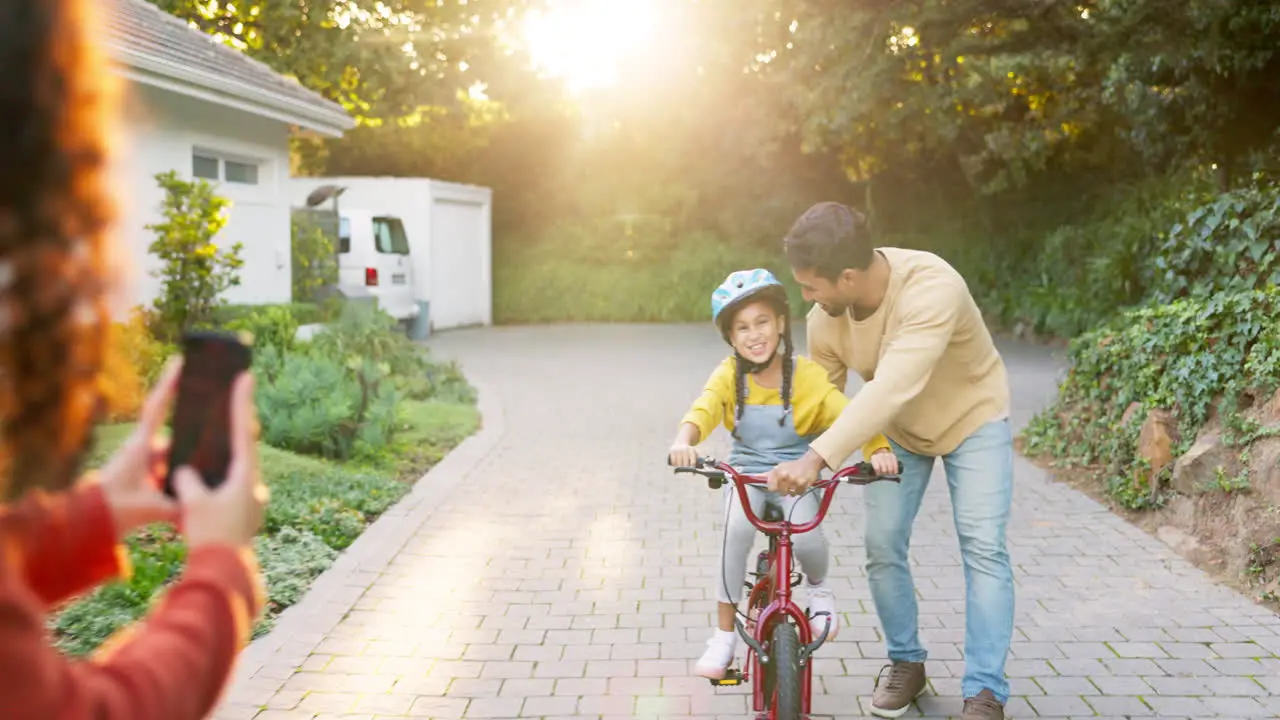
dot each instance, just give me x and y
(788, 365)
(739, 391)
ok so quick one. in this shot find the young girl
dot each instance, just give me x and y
(774, 404)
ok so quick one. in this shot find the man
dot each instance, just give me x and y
(936, 386)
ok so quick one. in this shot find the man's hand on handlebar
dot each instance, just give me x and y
(884, 462)
(796, 476)
(681, 455)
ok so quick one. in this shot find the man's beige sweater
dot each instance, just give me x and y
(933, 375)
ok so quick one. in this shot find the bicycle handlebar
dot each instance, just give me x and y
(718, 473)
(862, 473)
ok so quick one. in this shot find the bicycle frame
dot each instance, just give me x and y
(777, 584)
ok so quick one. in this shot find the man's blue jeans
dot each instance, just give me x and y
(980, 476)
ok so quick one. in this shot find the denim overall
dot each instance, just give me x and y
(760, 445)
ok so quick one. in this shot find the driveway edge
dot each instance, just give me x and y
(263, 667)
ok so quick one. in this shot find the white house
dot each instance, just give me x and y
(205, 110)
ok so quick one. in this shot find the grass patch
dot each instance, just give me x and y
(317, 509)
(432, 429)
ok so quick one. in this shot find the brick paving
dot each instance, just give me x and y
(553, 568)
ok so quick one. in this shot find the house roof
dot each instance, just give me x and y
(159, 49)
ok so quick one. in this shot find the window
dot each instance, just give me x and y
(209, 166)
(203, 166)
(238, 172)
(389, 237)
(344, 235)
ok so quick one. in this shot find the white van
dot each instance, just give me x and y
(373, 251)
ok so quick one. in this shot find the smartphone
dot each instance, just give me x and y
(200, 432)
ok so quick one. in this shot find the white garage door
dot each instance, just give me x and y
(459, 289)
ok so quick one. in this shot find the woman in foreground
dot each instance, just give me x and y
(58, 536)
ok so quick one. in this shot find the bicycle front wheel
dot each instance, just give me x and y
(784, 656)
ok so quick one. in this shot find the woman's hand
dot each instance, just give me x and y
(231, 513)
(884, 462)
(131, 480)
(682, 455)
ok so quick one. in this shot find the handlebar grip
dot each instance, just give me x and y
(867, 471)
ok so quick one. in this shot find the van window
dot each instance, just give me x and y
(389, 237)
(344, 235)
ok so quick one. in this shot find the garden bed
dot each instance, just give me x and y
(349, 422)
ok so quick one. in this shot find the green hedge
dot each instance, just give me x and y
(621, 281)
(304, 313)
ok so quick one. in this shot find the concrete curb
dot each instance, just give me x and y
(265, 665)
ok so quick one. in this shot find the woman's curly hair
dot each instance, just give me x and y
(55, 210)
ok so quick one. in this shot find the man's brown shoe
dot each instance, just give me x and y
(983, 706)
(896, 689)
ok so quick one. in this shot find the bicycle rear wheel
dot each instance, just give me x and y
(784, 661)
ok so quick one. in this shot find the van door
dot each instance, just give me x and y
(354, 251)
(395, 269)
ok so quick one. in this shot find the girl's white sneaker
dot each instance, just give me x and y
(718, 656)
(823, 600)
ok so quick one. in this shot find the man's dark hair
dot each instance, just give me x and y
(828, 239)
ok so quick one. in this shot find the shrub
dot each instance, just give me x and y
(1083, 274)
(314, 262)
(314, 403)
(194, 270)
(445, 381)
(132, 365)
(338, 396)
(1231, 243)
(335, 506)
(270, 325)
(290, 560)
(83, 625)
(370, 333)
(1192, 357)
(304, 313)
(363, 333)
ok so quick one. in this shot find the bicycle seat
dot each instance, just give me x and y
(772, 513)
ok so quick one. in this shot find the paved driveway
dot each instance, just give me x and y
(556, 569)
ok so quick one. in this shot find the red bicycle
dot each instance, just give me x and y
(779, 640)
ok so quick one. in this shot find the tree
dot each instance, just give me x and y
(378, 58)
(195, 271)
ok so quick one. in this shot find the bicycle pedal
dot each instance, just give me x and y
(732, 678)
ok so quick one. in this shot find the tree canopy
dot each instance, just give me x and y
(979, 125)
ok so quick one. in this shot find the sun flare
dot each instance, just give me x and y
(584, 42)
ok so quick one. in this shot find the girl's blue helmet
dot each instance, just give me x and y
(740, 286)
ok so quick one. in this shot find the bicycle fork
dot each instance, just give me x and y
(753, 613)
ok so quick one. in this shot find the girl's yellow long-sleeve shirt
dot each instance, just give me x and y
(816, 403)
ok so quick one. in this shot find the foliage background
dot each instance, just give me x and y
(1098, 169)
(1045, 149)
